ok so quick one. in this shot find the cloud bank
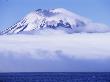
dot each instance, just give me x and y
(55, 52)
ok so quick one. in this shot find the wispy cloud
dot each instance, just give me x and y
(41, 52)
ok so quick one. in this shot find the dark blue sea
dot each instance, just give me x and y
(55, 77)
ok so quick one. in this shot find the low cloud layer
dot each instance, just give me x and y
(56, 52)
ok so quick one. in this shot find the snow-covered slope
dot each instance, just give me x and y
(57, 19)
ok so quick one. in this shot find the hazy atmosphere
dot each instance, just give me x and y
(71, 53)
(54, 36)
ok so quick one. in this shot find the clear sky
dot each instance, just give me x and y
(12, 11)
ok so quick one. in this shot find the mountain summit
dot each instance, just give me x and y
(56, 19)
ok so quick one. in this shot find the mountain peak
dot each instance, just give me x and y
(59, 18)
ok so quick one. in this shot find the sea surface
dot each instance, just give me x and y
(55, 77)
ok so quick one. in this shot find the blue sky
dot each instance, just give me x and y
(12, 11)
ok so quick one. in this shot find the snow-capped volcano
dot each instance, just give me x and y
(60, 19)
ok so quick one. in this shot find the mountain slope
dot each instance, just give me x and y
(57, 19)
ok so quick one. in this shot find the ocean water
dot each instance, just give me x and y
(55, 77)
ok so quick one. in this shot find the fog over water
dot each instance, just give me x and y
(55, 52)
